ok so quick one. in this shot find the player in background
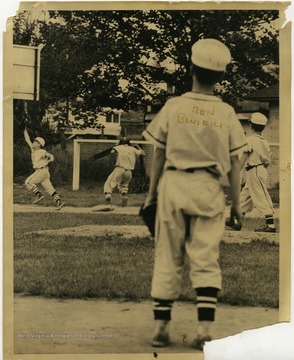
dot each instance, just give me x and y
(41, 159)
(256, 159)
(122, 174)
(197, 139)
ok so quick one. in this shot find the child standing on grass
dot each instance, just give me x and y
(256, 159)
(197, 139)
(41, 159)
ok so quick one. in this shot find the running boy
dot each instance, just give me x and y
(40, 159)
(196, 140)
(256, 159)
(122, 174)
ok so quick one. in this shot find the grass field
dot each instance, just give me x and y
(85, 267)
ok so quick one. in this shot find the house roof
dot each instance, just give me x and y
(270, 93)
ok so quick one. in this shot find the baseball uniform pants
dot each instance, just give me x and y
(42, 177)
(119, 178)
(255, 193)
(190, 219)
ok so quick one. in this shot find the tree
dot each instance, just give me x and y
(138, 45)
(118, 59)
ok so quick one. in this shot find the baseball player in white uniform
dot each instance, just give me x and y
(41, 159)
(122, 174)
(256, 159)
(197, 139)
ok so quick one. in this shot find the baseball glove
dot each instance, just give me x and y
(148, 214)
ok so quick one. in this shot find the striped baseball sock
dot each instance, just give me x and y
(36, 191)
(269, 219)
(206, 300)
(56, 197)
(162, 309)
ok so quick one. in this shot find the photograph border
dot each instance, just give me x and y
(285, 158)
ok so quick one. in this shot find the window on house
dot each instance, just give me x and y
(109, 117)
(116, 118)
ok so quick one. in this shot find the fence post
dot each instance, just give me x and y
(76, 165)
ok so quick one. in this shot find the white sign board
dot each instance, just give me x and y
(26, 72)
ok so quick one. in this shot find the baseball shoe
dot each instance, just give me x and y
(161, 337)
(267, 229)
(233, 226)
(107, 201)
(59, 204)
(38, 199)
(124, 201)
(228, 223)
(200, 341)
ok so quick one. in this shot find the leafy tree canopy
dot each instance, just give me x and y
(118, 58)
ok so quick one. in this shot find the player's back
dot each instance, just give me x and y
(259, 148)
(126, 156)
(199, 130)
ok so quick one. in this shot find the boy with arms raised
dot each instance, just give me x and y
(40, 160)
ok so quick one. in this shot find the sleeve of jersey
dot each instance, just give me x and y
(45, 154)
(237, 138)
(156, 132)
(137, 152)
(248, 148)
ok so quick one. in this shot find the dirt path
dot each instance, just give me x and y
(112, 326)
(129, 231)
(129, 210)
(124, 231)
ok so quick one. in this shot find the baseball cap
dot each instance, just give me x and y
(40, 140)
(258, 119)
(210, 54)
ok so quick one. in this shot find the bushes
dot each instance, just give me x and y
(22, 164)
(61, 169)
(96, 171)
(139, 185)
(90, 171)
